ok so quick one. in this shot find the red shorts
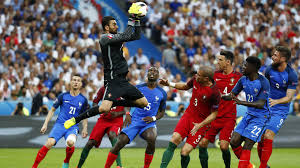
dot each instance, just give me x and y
(104, 126)
(184, 127)
(224, 126)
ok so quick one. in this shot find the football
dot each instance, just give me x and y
(143, 9)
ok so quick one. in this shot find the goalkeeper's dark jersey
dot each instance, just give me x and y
(111, 47)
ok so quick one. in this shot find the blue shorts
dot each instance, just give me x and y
(58, 131)
(252, 127)
(137, 127)
(275, 122)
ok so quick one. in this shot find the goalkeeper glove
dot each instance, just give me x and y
(134, 11)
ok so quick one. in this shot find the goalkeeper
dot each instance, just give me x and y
(116, 67)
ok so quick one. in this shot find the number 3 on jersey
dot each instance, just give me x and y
(196, 102)
(72, 110)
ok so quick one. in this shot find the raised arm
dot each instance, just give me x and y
(179, 86)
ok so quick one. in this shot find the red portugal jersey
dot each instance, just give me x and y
(225, 84)
(205, 99)
(99, 97)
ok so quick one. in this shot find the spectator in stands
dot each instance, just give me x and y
(20, 110)
(38, 108)
(169, 58)
(141, 59)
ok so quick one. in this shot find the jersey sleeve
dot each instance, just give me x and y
(190, 83)
(215, 99)
(265, 90)
(99, 95)
(163, 103)
(58, 101)
(238, 87)
(293, 80)
(131, 33)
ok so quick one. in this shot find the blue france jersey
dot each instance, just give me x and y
(156, 100)
(70, 106)
(255, 90)
(279, 83)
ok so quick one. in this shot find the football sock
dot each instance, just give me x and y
(118, 160)
(40, 156)
(185, 160)
(203, 156)
(226, 157)
(89, 113)
(124, 103)
(148, 160)
(83, 156)
(245, 159)
(238, 151)
(168, 154)
(266, 152)
(259, 149)
(69, 153)
(110, 160)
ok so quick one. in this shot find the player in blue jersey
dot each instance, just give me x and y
(143, 120)
(250, 129)
(71, 105)
(283, 82)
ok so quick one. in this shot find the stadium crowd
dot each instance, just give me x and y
(43, 42)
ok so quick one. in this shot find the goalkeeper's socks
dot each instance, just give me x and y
(84, 155)
(69, 153)
(110, 160)
(87, 114)
(168, 155)
(148, 160)
(238, 151)
(40, 156)
(226, 157)
(203, 156)
(185, 160)
(118, 160)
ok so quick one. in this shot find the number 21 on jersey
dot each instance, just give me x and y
(72, 110)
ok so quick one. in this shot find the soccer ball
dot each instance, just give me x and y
(143, 9)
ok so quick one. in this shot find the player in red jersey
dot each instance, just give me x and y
(202, 110)
(226, 78)
(110, 123)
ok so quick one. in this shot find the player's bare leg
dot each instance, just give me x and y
(235, 142)
(71, 139)
(150, 136)
(113, 139)
(224, 146)
(169, 152)
(203, 155)
(113, 154)
(185, 157)
(43, 151)
(266, 147)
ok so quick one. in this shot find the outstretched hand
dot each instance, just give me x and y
(43, 129)
(148, 119)
(127, 121)
(164, 82)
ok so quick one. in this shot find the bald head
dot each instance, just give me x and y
(205, 74)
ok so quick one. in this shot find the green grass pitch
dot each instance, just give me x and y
(134, 158)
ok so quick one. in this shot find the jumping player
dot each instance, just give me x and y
(116, 67)
(143, 120)
(226, 78)
(251, 128)
(202, 110)
(110, 123)
(283, 81)
(71, 105)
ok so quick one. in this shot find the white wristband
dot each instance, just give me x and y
(172, 84)
(154, 118)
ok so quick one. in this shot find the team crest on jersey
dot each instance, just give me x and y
(156, 98)
(80, 104)
(204, 97)
(110, 36)
(232, 82)
(255, 90)
(195, 87)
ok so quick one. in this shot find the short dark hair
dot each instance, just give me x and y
(228, 55)
(76, 74)
(105, 21)
(284, 52)
(254, 61)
